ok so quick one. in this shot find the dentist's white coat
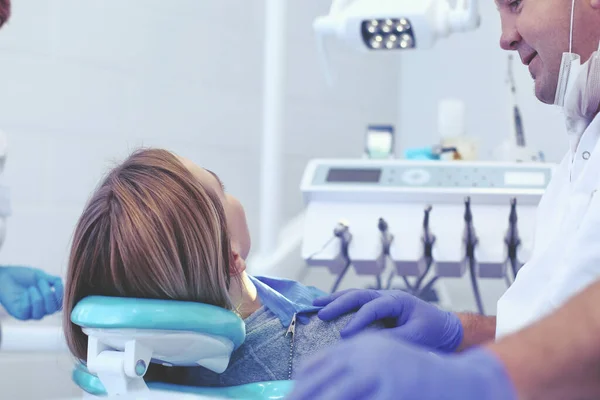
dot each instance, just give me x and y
(566, 253)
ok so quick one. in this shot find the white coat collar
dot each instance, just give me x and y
(583, 149)
(576, 129)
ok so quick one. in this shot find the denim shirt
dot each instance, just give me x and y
(267, 353)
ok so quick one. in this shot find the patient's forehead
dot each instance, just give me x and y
(205, 177)
(189, 164)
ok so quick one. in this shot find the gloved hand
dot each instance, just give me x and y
(412, 319)
(29, 293)
(374, 365)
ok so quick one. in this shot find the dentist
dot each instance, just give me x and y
(544, 342)
(27, 293)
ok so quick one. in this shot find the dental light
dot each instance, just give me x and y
(394, 25)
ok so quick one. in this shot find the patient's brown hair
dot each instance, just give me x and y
(150, 230)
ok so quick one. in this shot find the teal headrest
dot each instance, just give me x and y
(132, 313)
(271, 390)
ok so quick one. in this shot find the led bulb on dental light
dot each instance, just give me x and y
(393, 25)
(387, 34)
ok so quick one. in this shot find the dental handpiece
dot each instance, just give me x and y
(342, 231)
(386, 236)
(471, 240)
(428, 237)
(512, 239)
(470, 236)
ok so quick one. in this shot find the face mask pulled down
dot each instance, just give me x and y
(578, 89)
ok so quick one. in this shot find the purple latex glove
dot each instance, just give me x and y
(29, 293)
(411, 319)
(375, 365)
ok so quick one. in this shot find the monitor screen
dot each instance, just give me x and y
(354, 175)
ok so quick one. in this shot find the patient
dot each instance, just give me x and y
(161, 227)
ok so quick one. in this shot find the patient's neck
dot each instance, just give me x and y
(244, 297)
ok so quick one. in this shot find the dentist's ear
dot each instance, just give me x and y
(237, 264)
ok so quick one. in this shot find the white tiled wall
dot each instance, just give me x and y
(84, 83)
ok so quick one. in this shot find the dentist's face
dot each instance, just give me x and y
(539, 31)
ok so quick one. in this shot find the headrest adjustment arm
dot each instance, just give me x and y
(120, 371)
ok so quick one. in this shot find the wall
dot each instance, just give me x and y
(36, 374)
(84, 83)
(471, 66)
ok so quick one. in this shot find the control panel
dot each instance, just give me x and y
(448, 175)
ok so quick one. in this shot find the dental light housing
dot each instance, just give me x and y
(392, 25)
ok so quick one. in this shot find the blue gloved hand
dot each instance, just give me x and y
(29, 293)
(411, 319)
(375, 365)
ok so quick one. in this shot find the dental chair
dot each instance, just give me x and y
(125, 335)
